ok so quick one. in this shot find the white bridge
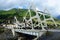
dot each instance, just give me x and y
(34, 25)
(31, 32)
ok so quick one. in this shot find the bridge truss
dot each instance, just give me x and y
(33, 25)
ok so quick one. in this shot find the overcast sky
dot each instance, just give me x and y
(52, 5)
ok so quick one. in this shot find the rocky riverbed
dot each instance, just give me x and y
(7, 35)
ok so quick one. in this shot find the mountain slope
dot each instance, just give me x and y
(9, 15)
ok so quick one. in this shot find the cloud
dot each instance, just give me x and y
(6, 4)
(52, 5)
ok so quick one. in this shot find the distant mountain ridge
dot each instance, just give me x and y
(58, 17)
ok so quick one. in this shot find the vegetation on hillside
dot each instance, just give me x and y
(19, 13)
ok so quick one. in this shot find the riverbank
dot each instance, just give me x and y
(7, 35)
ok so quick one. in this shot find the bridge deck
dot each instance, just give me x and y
(35, 32)
(31, 32)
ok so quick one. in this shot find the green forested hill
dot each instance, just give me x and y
(9, 15)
